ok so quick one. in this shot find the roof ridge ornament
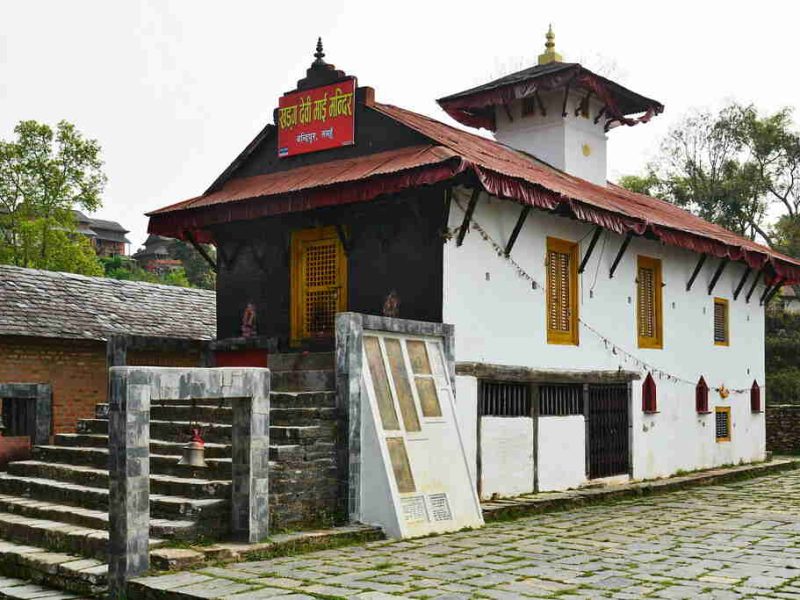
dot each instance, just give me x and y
(319, 54)
(550, 55)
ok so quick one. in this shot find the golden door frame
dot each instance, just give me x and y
(301, 240)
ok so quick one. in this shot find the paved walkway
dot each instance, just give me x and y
(738, 540)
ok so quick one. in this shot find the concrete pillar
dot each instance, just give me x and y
(129, 477)
(250, 454)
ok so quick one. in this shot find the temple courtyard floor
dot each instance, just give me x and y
(734, 540)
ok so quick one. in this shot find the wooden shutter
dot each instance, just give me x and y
(562, 292)
(649, 401)
(721, 322)
(701, 396)
(755, 397)
(723, 423)
(649, 302)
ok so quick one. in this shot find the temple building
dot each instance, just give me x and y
(600, 334)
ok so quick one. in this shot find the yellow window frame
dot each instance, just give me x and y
(300, 240)
(656, 341)
(726, 307)
(555, 336)
(727, 411)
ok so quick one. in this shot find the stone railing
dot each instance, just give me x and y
(132, 389)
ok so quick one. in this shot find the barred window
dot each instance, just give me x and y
(562, 292)
(504, 399)
(721, 337)
(723, 423)
(649, 302)
(560, 400)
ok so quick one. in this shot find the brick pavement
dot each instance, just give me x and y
(738, 540)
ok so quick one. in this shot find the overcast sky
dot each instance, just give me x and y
(174, 90)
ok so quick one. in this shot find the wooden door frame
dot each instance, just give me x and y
(299, 237)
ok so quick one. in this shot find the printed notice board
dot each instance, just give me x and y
(414, 474)
(317, 119)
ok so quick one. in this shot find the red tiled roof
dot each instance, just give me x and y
(502, 171)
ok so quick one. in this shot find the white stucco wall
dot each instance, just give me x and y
(506, 456)
(467, 415)
(562, 452)
(500, 319)
(575, 144)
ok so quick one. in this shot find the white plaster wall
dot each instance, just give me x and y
(500, 319)
(558, 140)
(467, 416)
(562, 452)
(506, 456)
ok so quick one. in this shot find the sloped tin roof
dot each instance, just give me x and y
(65, 305)
(501, 170)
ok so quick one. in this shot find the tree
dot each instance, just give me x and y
(124, 268)
(44, 175)
(198, 272)
(737, 168)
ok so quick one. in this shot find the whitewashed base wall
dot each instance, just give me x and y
(506, 456)
(562, 453)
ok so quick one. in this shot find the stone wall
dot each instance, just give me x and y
(783, 428)
(305, 480)
(76, 370)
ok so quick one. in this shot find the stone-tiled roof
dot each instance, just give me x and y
(65, 305)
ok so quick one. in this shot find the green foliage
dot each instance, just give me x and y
(732, 168)
(44, 174)
(119, 267)
(783, 358)
(198, 272)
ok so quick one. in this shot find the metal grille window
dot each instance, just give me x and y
(562, 290)
(723, 423)
(648, 302)
(504, 399)
(560, 400)
(721, 322)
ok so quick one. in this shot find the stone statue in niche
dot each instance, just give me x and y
(391, 306)
(249, 320)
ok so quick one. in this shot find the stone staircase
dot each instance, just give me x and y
(54, 507)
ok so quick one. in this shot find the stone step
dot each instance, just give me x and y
(302, 400)
(36, 565)
(303, 381)
(12, 588)
(86, 517)
(57, 536)
(217, 433)
(100, 440)
(160, 464)
(189, 414)
(161, 506)
(168, 485)
(301, 361)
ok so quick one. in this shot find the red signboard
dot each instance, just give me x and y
(317, 119)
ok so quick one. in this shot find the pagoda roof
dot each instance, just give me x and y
(475, 107)
(460, 156)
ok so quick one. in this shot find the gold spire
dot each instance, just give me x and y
(550, 54)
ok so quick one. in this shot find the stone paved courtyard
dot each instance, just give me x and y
(738, 540)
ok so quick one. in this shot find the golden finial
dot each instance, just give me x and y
(550, 54)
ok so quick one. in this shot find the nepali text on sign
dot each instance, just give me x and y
(317, 119)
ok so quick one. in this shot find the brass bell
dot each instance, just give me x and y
(194, 451)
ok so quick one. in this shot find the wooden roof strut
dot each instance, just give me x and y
(596, 236)
(468, 216)
(723, 263)
(517, 228)
(618, 258)
(696, 272)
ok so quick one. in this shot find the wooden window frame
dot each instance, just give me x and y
(297, 284)
(656, 342)
(722, 302)
(727, 411)
(571, 337)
